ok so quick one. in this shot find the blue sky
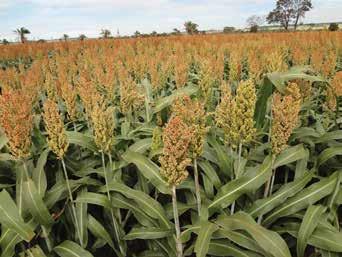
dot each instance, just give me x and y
(52, 18)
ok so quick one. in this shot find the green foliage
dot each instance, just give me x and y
(123, 205)
(333, 27)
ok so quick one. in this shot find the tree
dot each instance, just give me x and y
(176, 31)
(283, 13)
(254, 29)
(82, 37)
(191, 28)
(288, 11)
(65, 37)
(5, 42)
(154, 33)
(228, 29)
(333, 27)
(22, 32)
(254, 22)
(300, 8)
(105, 33)
(137, 34)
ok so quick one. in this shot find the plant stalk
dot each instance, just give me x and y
(272, 183)
(197, 188)
(232, 209)
(179, 246)
(268, 187)
(72, 201)
(115, 225)
(47, 240)
(79, 148)
(26, 170)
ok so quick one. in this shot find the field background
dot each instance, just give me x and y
(209, 145)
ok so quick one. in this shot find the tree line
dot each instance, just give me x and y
(285, 14)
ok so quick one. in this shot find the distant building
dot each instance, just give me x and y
(300, 27)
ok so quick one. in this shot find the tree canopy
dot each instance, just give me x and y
(22, 32)
(191, 27)
(289, 11)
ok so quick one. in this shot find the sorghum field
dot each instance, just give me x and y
(218, 145)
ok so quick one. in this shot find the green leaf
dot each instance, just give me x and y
(290, 155)
(204, 237)
(326, 239)
(264, 93)
(3, 141)
(9, 217)
(240, 239)
(59, 191)
(265, 205)
(149, 253)
(305, 198)
(328, 254)
(94, 198)
(7, 157)
(221, 247)
(150, 206)
(148, 98)
(307, 227)
(98, 230)
(322, 238)
(38, 175)
(82, 217)
(330, 136)
(122, 202)
(81, 139)
(268, 240)
(9, 239)
(35, 204)
(279, 79)
(168, 100)
(247, 183)
(141, 146)
(224, 161)
(35, 251)
(149, 170)
(147, 233)
(211, 173)
(328, 154)
(71, 249)
(303, 132)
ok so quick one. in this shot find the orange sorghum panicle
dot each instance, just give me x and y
(157, 139)
(334, 91)
(16, 120)
(192, 112)
(102, 119)
(176, 138)
(236, 115)
(275, 61)
(130, 97)
(57, 139)
(235, 67)
(285, 117)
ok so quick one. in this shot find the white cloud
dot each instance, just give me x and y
(93, 3)
(325, 11)
(4, 4)
(53, 18)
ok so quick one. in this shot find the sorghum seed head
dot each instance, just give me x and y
(16, 120)
(285, 117)
(57, 139)
(176, 138)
